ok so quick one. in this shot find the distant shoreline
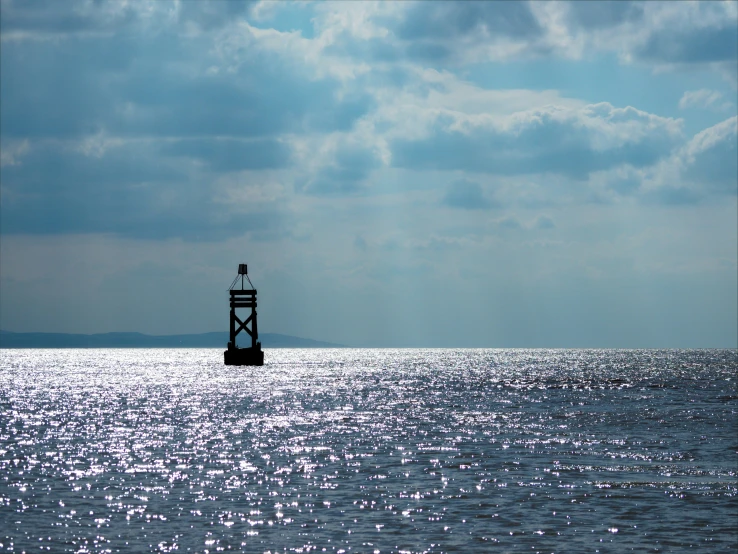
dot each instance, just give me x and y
(10, 339)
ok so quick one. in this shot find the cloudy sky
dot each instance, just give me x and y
(395, 174)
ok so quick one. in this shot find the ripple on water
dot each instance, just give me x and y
(368, 450)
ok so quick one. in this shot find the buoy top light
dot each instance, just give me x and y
(242, 269)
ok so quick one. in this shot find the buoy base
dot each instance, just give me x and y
(244, 356)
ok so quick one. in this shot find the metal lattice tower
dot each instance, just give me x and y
(243, 298)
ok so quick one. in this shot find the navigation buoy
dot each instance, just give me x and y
(243, 298)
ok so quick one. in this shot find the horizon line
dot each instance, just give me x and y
(341, 345)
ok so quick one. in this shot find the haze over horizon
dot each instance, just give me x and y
(501, 174)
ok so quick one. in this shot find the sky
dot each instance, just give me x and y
(399, 174)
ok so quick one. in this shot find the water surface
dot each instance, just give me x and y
(369, 451)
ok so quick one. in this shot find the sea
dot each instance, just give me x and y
(369, 450)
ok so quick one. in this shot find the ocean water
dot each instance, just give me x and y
(369, 451)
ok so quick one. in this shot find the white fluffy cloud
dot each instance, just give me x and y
(702, 169)
(703, 98)
(711, 157)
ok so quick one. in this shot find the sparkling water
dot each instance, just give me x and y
(352, 450)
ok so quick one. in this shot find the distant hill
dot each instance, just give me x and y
(9, 339)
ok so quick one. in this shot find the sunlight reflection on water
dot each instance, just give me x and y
(368, 450)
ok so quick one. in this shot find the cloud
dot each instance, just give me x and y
(711, 158)
(231, 154)
(671, 195)
(11, 151)
(451, 20)
(624, 180)
(544, 222)
(659, 32)
(186, 88)
(378, 150)
(467, 195)
(61, 91)
(129, 189)
(360, 243)
(212, 14)
(702, 98)
(47, 19)
(690, 46)
(608, 13)
(457, 33)
(573, 142)
(509, 223)
(454, 34)
(705, 168)
(435, 34)
(662, 35)
(342, 170)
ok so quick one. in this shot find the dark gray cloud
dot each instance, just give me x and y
(671, 195)
(51, 167)
(213, 14)
(544, 142)
(131, 190)
(49, 17)
(544, 222)
(131, 214)
(604, 13)
(224, 155)
(625, 185)
(441, 32)
(451, 20)
(360, 243)
(509, 223)
(137, 86)
(467, 195)
(444, 32)
(710, 36)
(61, 91)
(200, 113)
(178, 114)
(697, 45)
